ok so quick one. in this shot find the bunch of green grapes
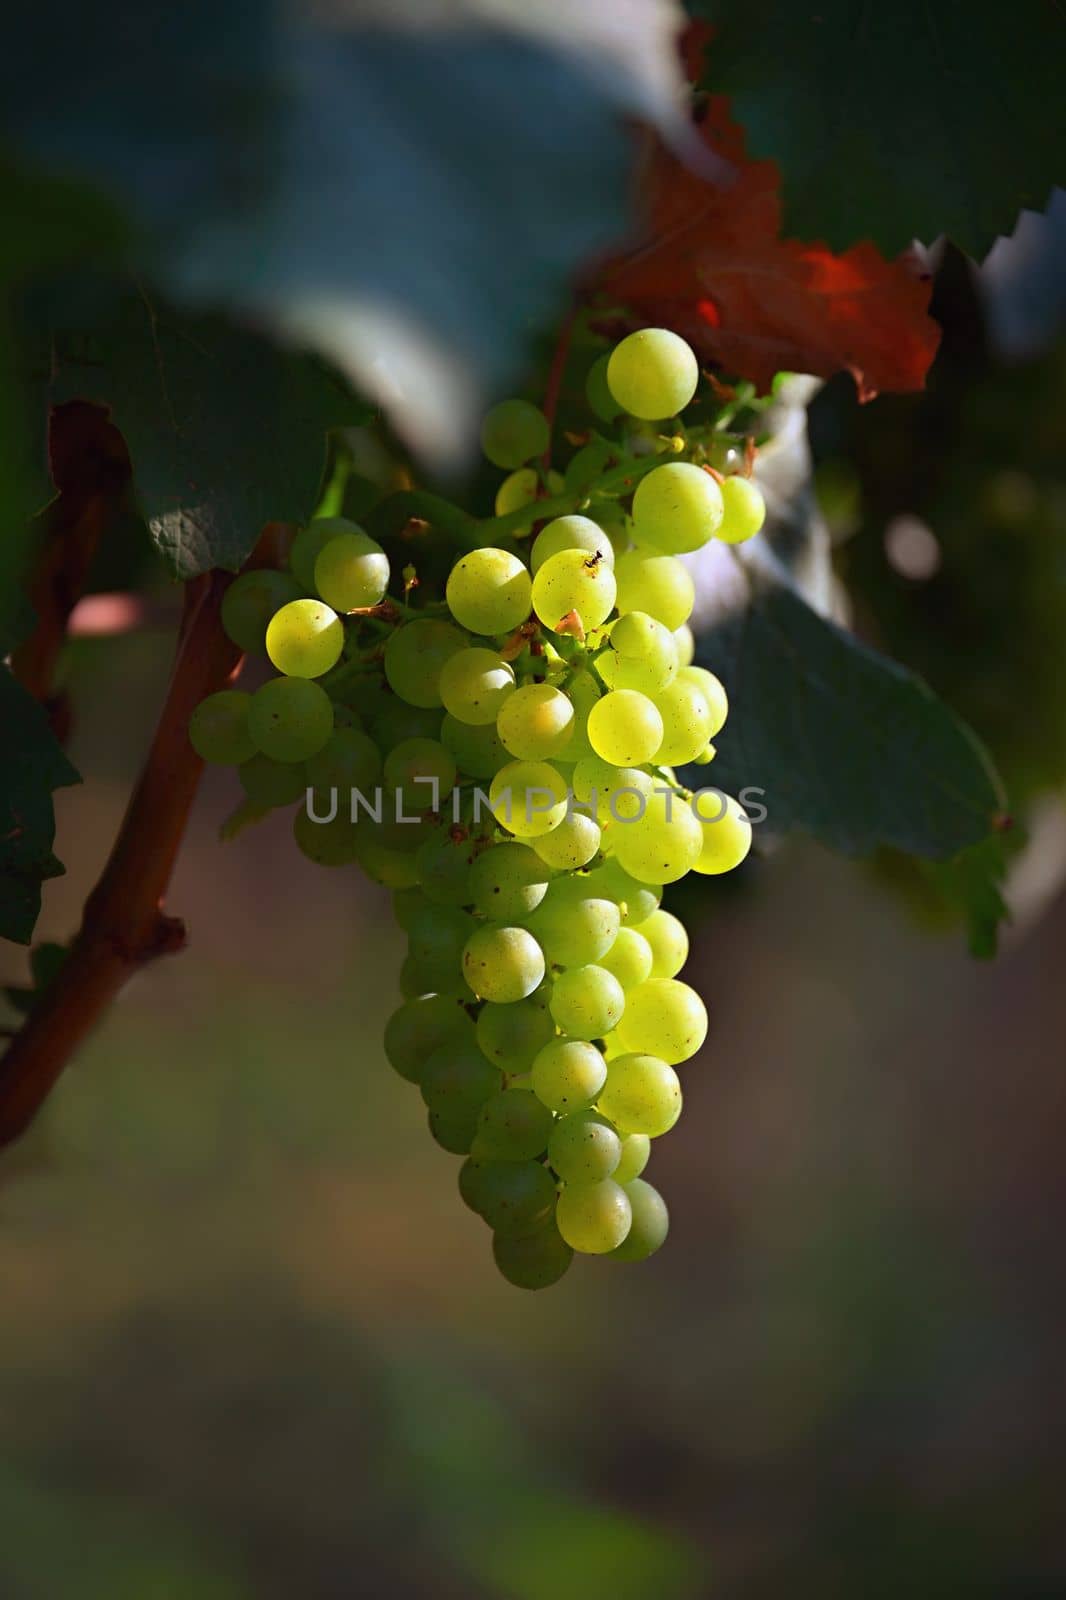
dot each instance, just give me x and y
(502, 758)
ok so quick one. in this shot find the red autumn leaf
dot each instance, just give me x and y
(716, 270)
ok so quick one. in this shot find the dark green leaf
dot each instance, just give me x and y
(899, 121)
(33, 766)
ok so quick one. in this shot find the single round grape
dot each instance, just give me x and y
(584, 691)
(488, 591)
(593, 1217)
(414, 658)
(636, 1148)
(443, 862)
(569, 533)
(518, 489)
(421, 773)
(571, 845)
(503, 964)
(618, 794)
(725, 829)
(435, 942)
(635, 901)
(394, 720)
(352, 571)
(642, 1094)
(584, 1148)
(685, 641)
(625, 728)
(395, 869)
(597, 390)
(309, 544)
(574, 926)
(511, 1035)
(663, 844)
(220, 728)
(536, 722)
(514, 1197)
(653, 374)
(666, 938)
(713, 692)
(453, 1131)
(744, 510)
(677, 508)
(478, 751)
(327, 844)
(573, 582)
(629, 958)
(250, 602)
(686, 721)
(528, 798)
(507, 882)
(419, 1027)
(349, 760)
(659, 585)
(513, 432)
(512, 1125)
(475, 685)
(456, 1080)
(587, 1002)
(290, 719)
(664, 1018)
(305, 639)
(568, 1074)
(650, 1224)
(272, 783)
(408, 905)
(533, 1260)
(586, 465)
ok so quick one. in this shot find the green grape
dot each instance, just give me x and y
(453, 1131)
(569, 533)
(584, 1148)
(250, 602)
(666, 938)
(488, 591)
(574, 582)
(677, 508)
(383, 864)
(593, 1217)
(419, 1027)
(725, 829)
(477, 750)
(568, 1074)
(271, 783)
(513, 432)
(584, 691)
(642, 1094)
(511, 1035)
(503, 964)
(512, 1125)
(394, 721)
(408, 905)
(514, 1197)
(290, 719)
(587, 1002)
(475, 685)
(309, 544)
(597, 390)
(415, 655)
(528, 798)
(305, 639)
(618, 794)
(352, 572)
(686, 645)
(686, 719)
(625, 728)
(659, 585)
(636, 1148)
(744, 510)
(629, 958)
(443, 861)
(349, 760)
(327, 844)
(574, 926)
(586, 465)
(713, 692)
(650, 1224)
(456, 1080)
(636, 901)
(652, 374)
(220, 728)
(533, 1260)
(507, 882)
(536, 722)
(518, 489)
(435, 943)
(421, 773)
(571, 845)
(663, 1018)
(639, 637)
(663, 844)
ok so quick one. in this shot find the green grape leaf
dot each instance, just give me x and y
(902, 121)
(33, 766)
(843, 743)
(226, 431)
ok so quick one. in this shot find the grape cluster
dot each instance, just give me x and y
(503, 759)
